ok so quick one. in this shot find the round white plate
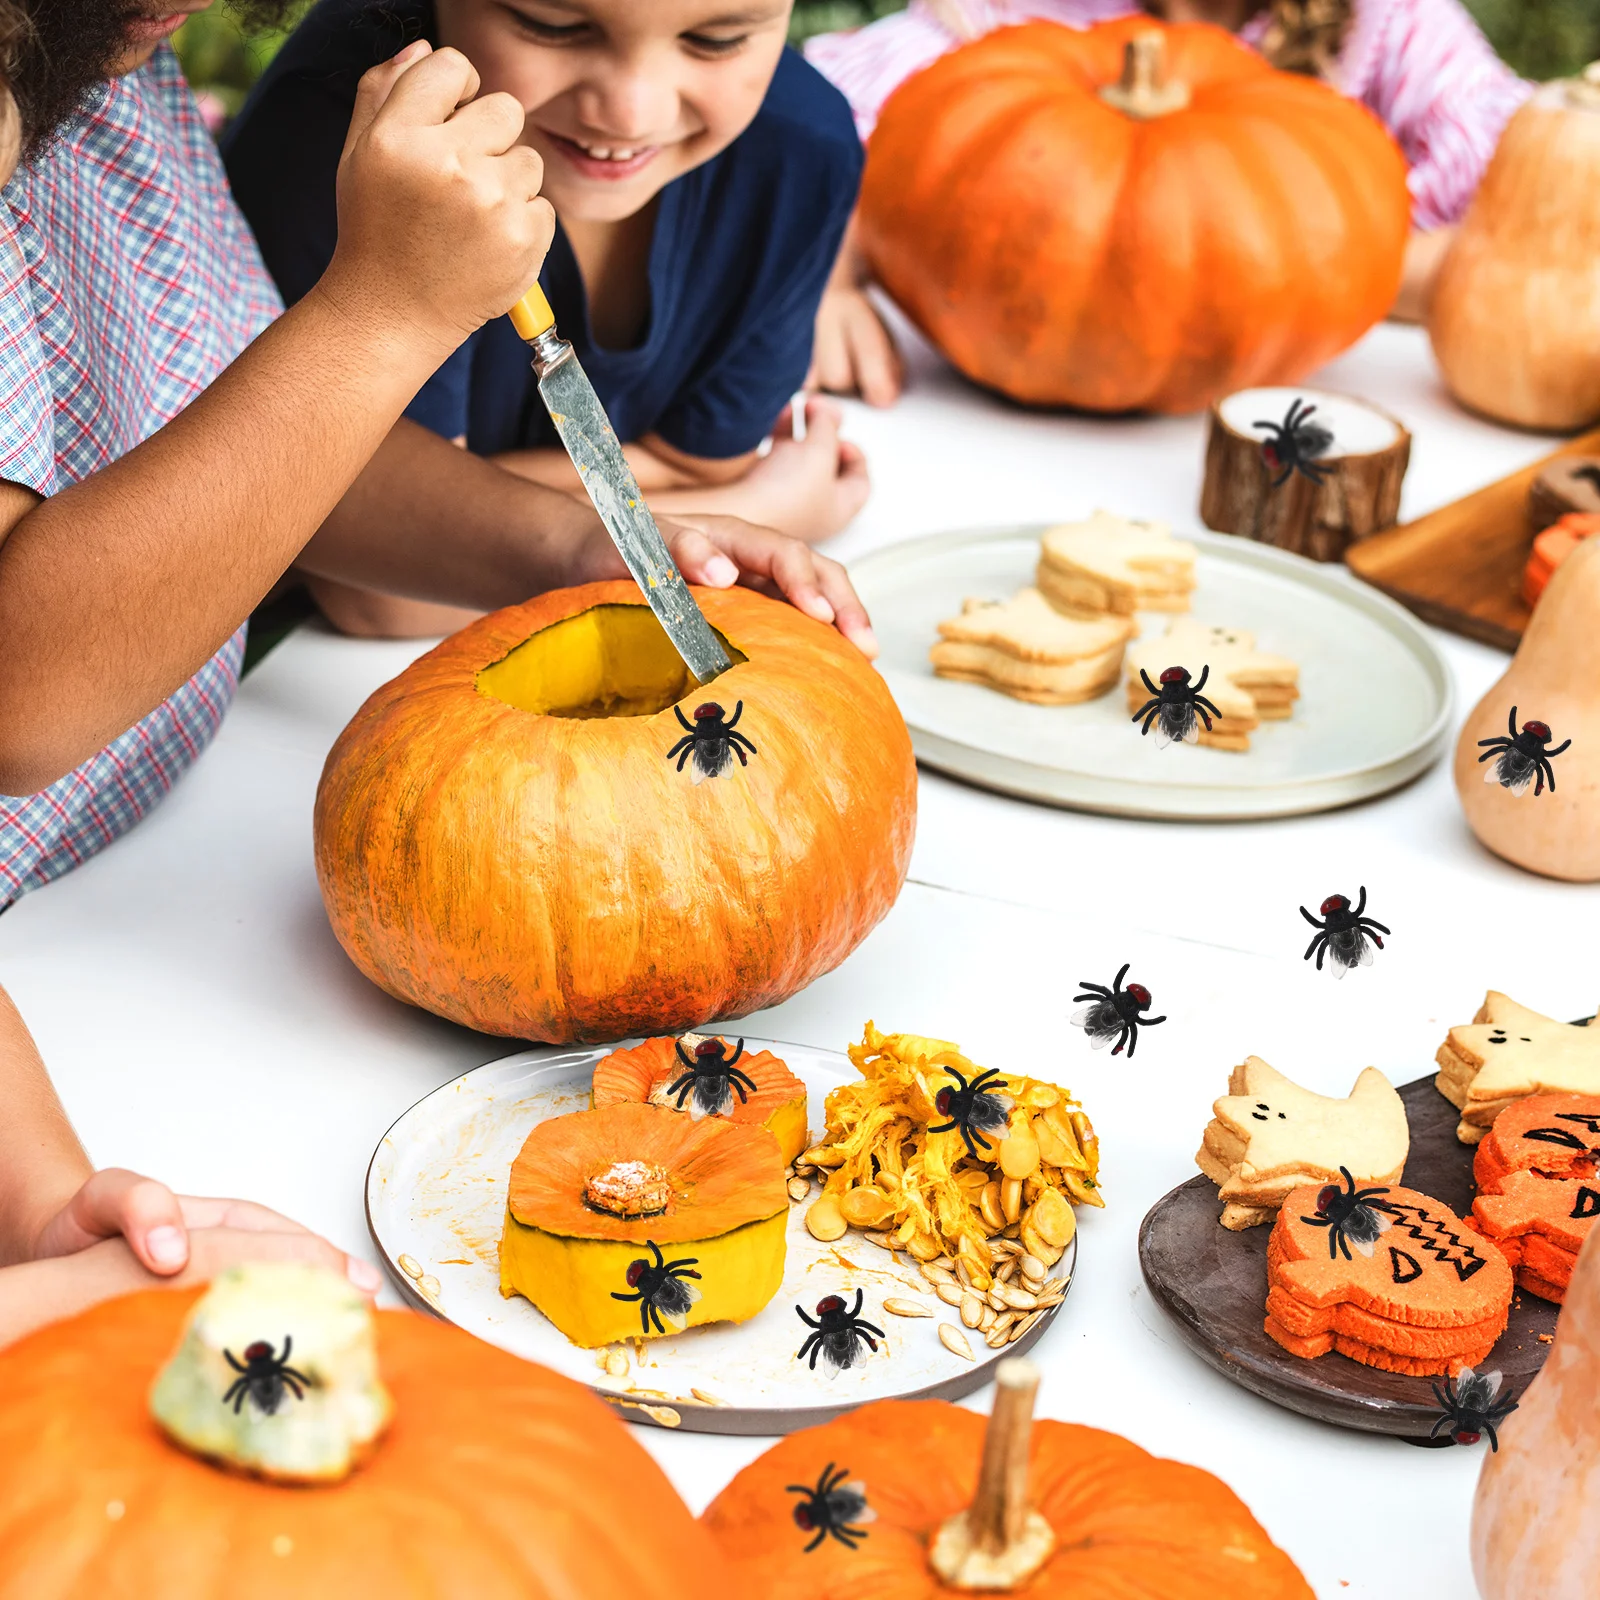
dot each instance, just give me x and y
(1374, 707)
(436, 1194)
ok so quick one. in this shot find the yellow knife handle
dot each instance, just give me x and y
(531, 315)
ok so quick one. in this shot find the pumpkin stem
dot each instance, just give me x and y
(1145, 92)
(999, 1542)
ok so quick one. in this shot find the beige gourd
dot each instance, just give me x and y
(1554, 678)
(1515, 316)
(1535, 1535)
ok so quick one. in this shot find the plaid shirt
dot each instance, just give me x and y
(128, 281)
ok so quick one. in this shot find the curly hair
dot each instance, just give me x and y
(1306, 35)
(55, 56)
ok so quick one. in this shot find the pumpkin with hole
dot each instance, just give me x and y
(497, 1479)
(769, 1096)
(917, 1483)
(634, 1221)
(511, 833)
(1553, 681)
(1130, 216)
(1515, 314)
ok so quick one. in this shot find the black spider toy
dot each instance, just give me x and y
(662, 1289)
(1470, 1408)
(1176, 709)
(264, 1376)
(1114, 1013)
(711, 741)
(710, 1079)
(1351, 1216)
(833, 1509)
(1522, 757)
(1342, 934)
(974, 1108)
(838, 1328)
(1294, 445)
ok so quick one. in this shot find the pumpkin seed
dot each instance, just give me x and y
(822, 1155)
(1052, 1219)
(799, 1188)
(995, 1301)
(1011, 1199)
(952, 1340)
(705, 1397)
(824, 1220)
(428, 1286)
(924, 1247)
(971, 1310)
(989, 1206)
(884, 1241)
(986, 1321)
(1020, 1328)
(665, 1415)
(951, 1293)
(907, 1308)
(935, 1271)
(616, 1364)
(963, 1274)
(1016, 1299)
(410, 1266)
(1033, 1267)
(1007, 1272)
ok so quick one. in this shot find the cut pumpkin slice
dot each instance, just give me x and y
(633, 1221)
(770, 1095)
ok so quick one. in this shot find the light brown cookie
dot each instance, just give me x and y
(1109, 563)
(1025, 648)
(1245, 684)
(1505, 1054)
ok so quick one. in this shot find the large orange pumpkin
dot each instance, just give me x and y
(1131, 217)
(497, 1480)
(508, 835)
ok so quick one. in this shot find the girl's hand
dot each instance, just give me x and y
(811, 487)
(171, 1234)
(852, 351)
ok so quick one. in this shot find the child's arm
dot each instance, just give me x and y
(114, 591)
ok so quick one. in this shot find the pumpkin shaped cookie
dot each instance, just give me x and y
(691, 1075)
(1540, 1224)
(633, 1222)
(1557, 1135)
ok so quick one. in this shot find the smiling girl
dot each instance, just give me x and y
(701, 175)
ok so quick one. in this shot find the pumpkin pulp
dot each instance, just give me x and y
(726, 1220)
(641, 1075)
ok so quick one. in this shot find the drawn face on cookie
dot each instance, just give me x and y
(1519, 1052)
(1557, 1135)
(1562, 1210)
(1290, 1129)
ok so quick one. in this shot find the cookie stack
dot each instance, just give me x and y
(1248, 686)
(1110, 564)
(1269, 1136)
(1426, 1296)
(1538, 1192)
(1028, 650)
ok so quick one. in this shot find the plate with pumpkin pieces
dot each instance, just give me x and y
(1373, 711)
(437, 1206)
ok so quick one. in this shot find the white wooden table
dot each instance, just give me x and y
(204, 1026)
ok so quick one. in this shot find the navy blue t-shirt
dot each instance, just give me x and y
(742, 249)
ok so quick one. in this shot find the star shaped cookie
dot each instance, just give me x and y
(1245, 684)
(1507, 1053)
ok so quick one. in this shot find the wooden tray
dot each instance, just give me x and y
(1460, 567)
(1213, 1284)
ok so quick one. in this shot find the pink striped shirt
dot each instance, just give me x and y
(1423, 66)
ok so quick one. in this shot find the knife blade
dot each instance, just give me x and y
(587, 434)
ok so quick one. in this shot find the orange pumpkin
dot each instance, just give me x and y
(1132, 217)
(926, 1491)
(497, 1480)
(508, 835)
(775, 1100)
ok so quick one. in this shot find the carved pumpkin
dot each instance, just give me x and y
(1554, 680)
(510, 835)
(771, 1096)
(498, 1480)
(1515, 316)
(928, 1499)
(603, 1204)
(1129, 216)
(1534, 1532)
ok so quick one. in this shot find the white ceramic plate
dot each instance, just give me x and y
(1374, 707)
(436, 1194)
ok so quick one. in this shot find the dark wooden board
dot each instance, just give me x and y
(1460, 567)
(1213, 1284)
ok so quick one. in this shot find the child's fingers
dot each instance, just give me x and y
(205, 1211)
(213, 1249)
(376, 84)
(700, 560)
(112, 1202)
(872, 356)
(849, 615)
(428, 92)
(493, 124)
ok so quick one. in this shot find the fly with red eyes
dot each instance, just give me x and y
(1522, 758)
(974, 1108)
(1114, 1013)
(1174, 708)
(1343, 934)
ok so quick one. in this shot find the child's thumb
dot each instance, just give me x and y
(377, 83)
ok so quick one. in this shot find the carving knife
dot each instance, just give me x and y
(586, 432)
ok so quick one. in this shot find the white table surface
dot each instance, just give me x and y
(204, 1026)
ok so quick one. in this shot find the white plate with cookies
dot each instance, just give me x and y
(1326, 691)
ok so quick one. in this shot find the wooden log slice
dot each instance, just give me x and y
(1570, 484)
(1354, 484)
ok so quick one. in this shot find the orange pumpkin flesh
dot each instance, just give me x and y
(498, 1480)
(502, 839)
(729, 1213)
(777, 1104)
(1129, 1525)
(1066, 253)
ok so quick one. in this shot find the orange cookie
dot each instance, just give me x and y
(1542, 1287)
(1370, 1356)
(1556, 1134)
(1561, 1210)
(1398, 1338)
(1542, 1259)
(1401, 1255)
